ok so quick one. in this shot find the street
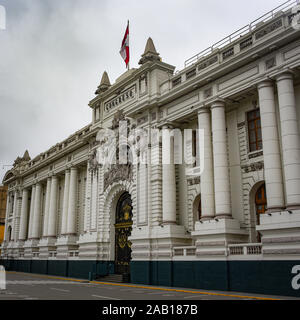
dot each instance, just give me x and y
(25, 286)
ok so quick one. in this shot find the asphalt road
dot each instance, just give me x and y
(26, 286)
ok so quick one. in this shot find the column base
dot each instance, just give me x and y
(207, 218)
(158, 242)
(212, 236)
(46, 245)
(64, 244)
(31, 248)
(20, 246)
(280, 235)
(91, 246)
(12, 250)
(274, 209)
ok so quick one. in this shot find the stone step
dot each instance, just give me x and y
(118, 278)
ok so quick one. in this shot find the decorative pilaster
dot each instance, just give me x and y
(71, 227)
(24, 216)
(13, 233)
(65, 202)
(207, 177)
(290, 139)
(52, 208)
(272, 161)
(6, 219)
(87, 199)
(221, 165)
(37, 212)
(31, 212)
(168, 175)
(94, 200)
(47, 204)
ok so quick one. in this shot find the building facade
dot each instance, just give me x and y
(227, 218)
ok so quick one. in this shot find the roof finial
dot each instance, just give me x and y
(26, 156)
(104, 84)
(150, 53)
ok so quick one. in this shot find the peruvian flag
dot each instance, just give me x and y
(125, 46)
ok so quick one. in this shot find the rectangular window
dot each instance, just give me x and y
(254, 130)
(195, 148)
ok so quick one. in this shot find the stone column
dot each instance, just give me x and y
(14, 224)
(47, 204)
(52, 208)
(221, 165)
(37, 212)
(65, 203)
(87, 199)
(6, 219)
(272, 161)
(24, 216)
(72, 206)
(168, 177)
(207, 177)
(290, 139)
(31, 212)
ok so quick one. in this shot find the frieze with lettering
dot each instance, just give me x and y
(125, 96)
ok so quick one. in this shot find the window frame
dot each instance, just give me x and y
(257, 141)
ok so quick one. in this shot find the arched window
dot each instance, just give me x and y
(260, 202)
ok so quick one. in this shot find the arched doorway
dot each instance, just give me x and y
(123, 227)
(260, 205)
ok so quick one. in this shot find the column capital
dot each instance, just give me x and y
(218, 103)
(285, 75)
(265, 83)
(204, 109)
(168, 126)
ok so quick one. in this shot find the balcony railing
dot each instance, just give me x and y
(184, 251)
(248, 249)
(242, 31)
(244, 249)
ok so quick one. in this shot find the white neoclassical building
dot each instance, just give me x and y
(227, 219)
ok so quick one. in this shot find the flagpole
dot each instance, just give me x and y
(128, 43)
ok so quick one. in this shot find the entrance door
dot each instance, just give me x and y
(123, 229)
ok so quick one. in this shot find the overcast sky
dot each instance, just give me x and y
(53, 54)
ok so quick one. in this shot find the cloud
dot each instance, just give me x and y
(53, 53)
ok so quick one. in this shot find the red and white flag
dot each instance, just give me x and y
(125, 46)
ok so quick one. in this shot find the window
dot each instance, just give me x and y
(11, 202)
(195, 148)
(261, 200)
(254, 130)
